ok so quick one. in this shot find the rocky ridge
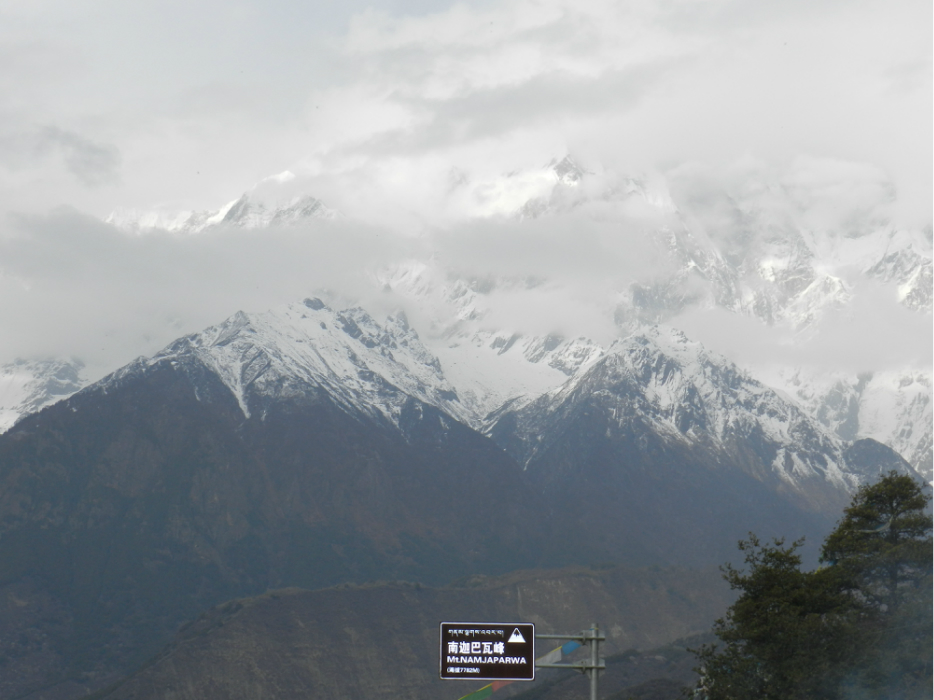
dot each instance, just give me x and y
(308, 348)
(690, 395)
(658, 377)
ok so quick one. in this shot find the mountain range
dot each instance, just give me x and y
(311, 446)
(760, 262)
(321, 443)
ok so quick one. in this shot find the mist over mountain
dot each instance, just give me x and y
(516, 392)
(317, 312)
(270, 202)
(777, 275)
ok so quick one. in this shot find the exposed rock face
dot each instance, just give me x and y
(382, 641)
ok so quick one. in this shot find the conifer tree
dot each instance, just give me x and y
(787, 636)
(859, 627)
(880, 553)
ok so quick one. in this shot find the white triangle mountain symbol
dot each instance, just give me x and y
(516, 636)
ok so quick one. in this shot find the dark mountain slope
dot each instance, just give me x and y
(139, 502)
(314, 447)
(666, 452)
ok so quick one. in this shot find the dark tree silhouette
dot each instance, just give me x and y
(858, 627)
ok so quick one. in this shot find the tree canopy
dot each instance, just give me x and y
(857, 627)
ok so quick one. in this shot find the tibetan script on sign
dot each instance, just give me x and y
(491, 651)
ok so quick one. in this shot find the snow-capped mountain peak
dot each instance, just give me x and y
(276, 200)
(660, 381)
(306, 348)
(29, 385)
(891, 406)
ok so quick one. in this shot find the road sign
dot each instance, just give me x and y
(488, 651)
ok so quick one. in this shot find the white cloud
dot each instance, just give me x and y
(873, 332)
(200, 115)
(822, 195)
(417, 121)
(70, 285)
(91, 163)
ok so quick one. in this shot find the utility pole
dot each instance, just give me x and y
(592, 668)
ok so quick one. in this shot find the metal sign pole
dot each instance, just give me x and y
(594, 660)
(592, 667)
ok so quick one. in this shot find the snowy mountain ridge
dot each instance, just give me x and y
(893, 407)
(691, 396)
(759, 255)
(307, 347)
(657, 377)
(373, 367)
(272, 201)
(756, 258)
(26, 386)
(490, 365)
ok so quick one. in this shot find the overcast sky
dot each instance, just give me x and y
(383, 108)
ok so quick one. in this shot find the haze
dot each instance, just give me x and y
(409, 117)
